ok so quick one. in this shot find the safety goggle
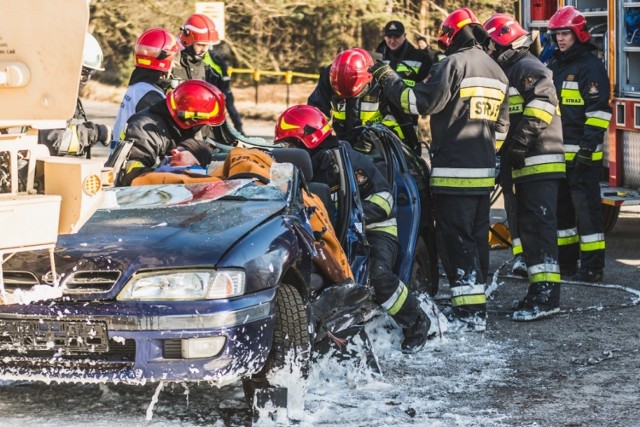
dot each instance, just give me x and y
(194, 117)
(86, 74)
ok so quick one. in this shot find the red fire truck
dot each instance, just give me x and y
(615, 29)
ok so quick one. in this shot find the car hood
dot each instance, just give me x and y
(166, 228)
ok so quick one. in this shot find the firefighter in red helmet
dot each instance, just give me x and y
(154, 52)
(173, 122)
(582, 86)
(306, 127)
(532, 162)
(465, 96)
(347, 94)
(197, 60)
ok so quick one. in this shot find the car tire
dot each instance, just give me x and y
(423, 278)
(291, 347)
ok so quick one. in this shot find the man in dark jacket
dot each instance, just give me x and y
(582, 85)
(157, 130)
(533, 159)
(197, 61)
(306, 127)
(410, 63)
(465, 94)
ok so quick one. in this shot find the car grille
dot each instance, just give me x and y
(78, 282)
(84, 282)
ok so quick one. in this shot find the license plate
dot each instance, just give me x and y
(63, 336)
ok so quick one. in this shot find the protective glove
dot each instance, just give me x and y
(383, 73)
(583, 158)
(516, 155)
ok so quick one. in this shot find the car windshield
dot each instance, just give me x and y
(149, 196)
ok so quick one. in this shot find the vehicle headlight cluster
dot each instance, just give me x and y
(184, 285)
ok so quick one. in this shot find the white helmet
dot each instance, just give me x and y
(92, 53)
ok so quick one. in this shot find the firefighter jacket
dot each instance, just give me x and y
(374, 189)
(347, 114)
(534, 116)
(217, 72)
(189, 67)
(154, 135)
(209, 68)
(411, 64)
(582, 85)
(465, 94)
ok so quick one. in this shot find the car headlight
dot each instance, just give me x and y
(183, 285)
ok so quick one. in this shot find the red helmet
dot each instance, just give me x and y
(198, 28)
(569, 18)
(155, 49)
(452, 24)
(196, 102)
(504, 29)
(304, 123)
(349, 74)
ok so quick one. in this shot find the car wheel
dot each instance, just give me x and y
(290, 350)
(422, 277)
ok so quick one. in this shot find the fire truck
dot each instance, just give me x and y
(615, 29)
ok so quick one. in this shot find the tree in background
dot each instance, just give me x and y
(272, 34)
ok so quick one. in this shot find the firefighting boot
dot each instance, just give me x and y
(416, 335)
(588, 275)
(542, 300)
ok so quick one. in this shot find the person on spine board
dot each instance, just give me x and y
(306, 127)
(157, 130)
(533, 159)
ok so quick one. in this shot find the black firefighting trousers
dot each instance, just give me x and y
(462, 224)
(391, 293)
(537, 226)
(580, 227)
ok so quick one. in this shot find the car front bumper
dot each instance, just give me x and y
(137, 342)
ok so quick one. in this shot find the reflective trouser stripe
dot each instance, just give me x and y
(516, 246)
(568, 237)
(592, 242)
(468, 295)
(391, 229)
(544, 272)
(396, 301)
